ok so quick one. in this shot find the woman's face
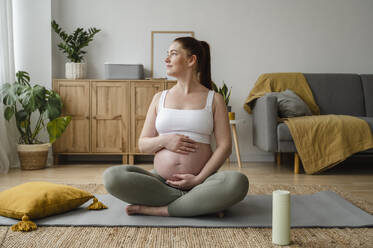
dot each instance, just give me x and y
(177, 60)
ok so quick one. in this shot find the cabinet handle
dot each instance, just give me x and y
(78, 117)
(106, 117)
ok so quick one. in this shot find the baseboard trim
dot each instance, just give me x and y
(254, 157)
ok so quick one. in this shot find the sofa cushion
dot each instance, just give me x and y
(340, 94)
(369, 120)
(367, 81)
(290, 104)
(283, 132)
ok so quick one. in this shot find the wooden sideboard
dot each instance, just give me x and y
(107, 116)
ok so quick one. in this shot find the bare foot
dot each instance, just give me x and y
(147, 210)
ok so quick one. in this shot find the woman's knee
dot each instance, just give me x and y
(113, 176)
(238, 184)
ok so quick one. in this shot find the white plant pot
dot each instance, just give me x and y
(75, 70)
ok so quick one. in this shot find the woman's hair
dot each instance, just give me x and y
(202, 51)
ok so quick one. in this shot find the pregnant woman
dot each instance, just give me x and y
(178, 128)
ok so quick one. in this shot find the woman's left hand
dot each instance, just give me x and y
(183, 181)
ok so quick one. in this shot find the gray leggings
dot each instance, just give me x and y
(135, 185)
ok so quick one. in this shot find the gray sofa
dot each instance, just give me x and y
(342, 94)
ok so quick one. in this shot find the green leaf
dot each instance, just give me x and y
(214, 87)
(23, 78)
(4, 88)
(24, 124)
(21, 115)
(33, 98)
(224, 90)
(57, 127)
(73, 43)
(8, 113)
(9, 93)
(54, 106)
(228, 97)
(22, 100)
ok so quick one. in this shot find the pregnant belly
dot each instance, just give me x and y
(168, 163)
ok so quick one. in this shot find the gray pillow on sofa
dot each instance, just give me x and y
(290, 104)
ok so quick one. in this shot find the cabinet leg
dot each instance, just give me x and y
(278, 158)
(131, 159)
(55, 159)
(124, 159)
(296, 163)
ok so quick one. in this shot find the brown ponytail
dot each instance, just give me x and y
(205, 71)
(202, 51)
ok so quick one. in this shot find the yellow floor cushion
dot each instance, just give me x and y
(35, 200)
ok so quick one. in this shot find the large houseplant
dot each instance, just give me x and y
(25, 101)
(72, 45)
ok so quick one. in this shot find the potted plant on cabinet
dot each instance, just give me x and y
(24, 101)
(226, 93)
(72, 45)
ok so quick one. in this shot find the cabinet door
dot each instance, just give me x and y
(75, 98)
(170, 84)
(142, 93)
(110, 116)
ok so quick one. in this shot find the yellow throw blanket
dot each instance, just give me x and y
(277, 82)
(325, 140)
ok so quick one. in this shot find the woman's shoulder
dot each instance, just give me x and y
(218, 98)
(157, 96)
(155, 100)
(218, 101)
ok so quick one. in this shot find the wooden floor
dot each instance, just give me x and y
(353, 176)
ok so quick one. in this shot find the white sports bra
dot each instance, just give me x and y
(197, 124)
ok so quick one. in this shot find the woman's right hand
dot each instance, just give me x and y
(180, 143)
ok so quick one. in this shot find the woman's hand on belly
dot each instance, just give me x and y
(168, 163)
(184, 181)
(179, 143)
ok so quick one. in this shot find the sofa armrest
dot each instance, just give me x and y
(265, 115)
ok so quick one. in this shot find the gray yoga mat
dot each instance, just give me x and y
(322, 209)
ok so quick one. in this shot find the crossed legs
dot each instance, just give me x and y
(150, 195)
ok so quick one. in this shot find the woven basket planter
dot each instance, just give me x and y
(33, 157)
(75, 70)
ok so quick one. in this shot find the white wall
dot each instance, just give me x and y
(247, 38)
(32, 39)
(32, 44)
